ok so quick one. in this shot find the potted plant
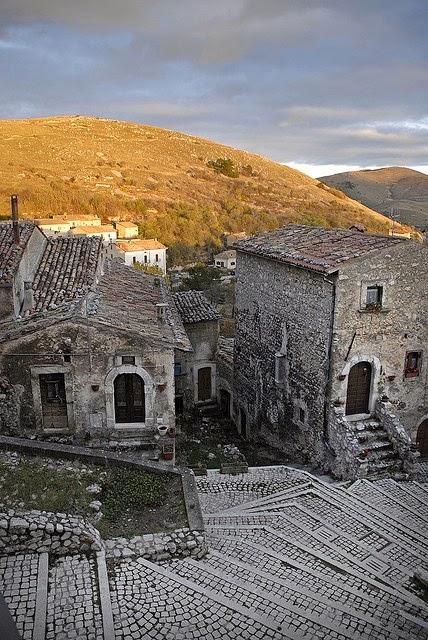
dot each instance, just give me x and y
(168, 451)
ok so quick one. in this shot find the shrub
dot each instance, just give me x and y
(224, 166)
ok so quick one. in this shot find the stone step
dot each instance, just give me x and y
(372, 436)
(18, 584)
(365, 596)
(338, 605)
(150, 601)
(283, 606)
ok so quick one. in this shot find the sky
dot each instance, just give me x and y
(321, 85)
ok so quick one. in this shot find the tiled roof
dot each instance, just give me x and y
(225, 349)
(140, 245)
(126, 298)
(67, 269)
(229, 254)
(127, 225)
(102, 228)
(314, 248)
(11, 253)
(194, 307)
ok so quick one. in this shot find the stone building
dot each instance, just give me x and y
(195, 371)
(331, 347)
(86, 347)
(146, 252)
(126, 230)
(226, 260)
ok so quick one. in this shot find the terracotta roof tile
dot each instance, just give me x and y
(140, 245)
(194, 307)
(315, 248)
(11, 253)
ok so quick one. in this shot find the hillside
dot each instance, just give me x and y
(161, 179)
(397, 190)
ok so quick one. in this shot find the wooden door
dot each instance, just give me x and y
(54, 405)
(359, 384)
(225, 403)
(204, 384)
(129, 401)
(422, 439)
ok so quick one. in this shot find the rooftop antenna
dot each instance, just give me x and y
(15, 223)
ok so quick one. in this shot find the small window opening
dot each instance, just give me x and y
(128, 359)
(157, 258)
(66, 354)
(302, 415)
(134, 259)
(412, 364)
(145, 259)
(178, 369)
(374, 297)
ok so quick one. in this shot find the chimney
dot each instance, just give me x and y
(161, 308)
(15, 223)
(28, 303)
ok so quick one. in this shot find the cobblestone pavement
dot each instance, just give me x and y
(72, 607)
(18, 583)
(290, 556)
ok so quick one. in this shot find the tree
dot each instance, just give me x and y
(224, 166)
(201, 277)
(153, 269)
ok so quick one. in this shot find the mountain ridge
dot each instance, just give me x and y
(397, 192)
(169, 182)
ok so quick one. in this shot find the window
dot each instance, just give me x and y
(232, 264)
(412, 364)
(374, 297)
(66, 354)
(157, 258)
(134, 259)
(302, 415)
(128, 359)
(178, 369)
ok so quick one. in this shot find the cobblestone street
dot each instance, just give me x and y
(290, 556)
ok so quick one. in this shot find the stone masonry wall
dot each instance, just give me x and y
(282, 310)
(55, 533)
(94, 354)
(384, 337)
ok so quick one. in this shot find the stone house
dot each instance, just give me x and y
(195, 371)
(146, 252)
(63, 224)
(331, 347)
(86, 346)
(226, 260)
(105, 231)
(126, 230)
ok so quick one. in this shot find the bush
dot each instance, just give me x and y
(224, 166)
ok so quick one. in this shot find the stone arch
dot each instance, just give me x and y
(375, 378)
(149, 394)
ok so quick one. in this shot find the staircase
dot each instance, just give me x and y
(377, 449)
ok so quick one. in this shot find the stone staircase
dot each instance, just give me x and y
(376, 448)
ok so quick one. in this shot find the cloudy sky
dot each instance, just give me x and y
(319, 84)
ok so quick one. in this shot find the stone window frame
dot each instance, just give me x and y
(408, 374)
(149, 397)
(35, 372)
(363, 294)
(374, 387)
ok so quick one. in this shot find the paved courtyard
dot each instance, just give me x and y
(291, 556)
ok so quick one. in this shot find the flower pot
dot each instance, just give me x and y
(162, 430)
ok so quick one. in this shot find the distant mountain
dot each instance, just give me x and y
(179, 188)
(397, 192)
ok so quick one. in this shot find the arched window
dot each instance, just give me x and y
(129, 400)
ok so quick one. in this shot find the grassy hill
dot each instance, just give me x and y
(170, 183)
(393, 190)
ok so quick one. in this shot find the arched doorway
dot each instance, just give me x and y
(129, 400)
(204, 384)
(359, 386)
(422, 438)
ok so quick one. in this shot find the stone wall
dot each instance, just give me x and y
(96, 358)
(283, 318)
(39, 531)
(157, 547)
(382, 338)
(342, 458)
(204, 338)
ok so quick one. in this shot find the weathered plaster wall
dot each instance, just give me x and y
(383, 338)
(28, 266)
(95, 361)
(204, 339)
(286, 311)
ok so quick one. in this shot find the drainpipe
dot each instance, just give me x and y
(329, 368)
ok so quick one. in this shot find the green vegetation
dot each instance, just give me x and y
(225, 166)
(134, 501)
(201, 277)
(153, 269)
